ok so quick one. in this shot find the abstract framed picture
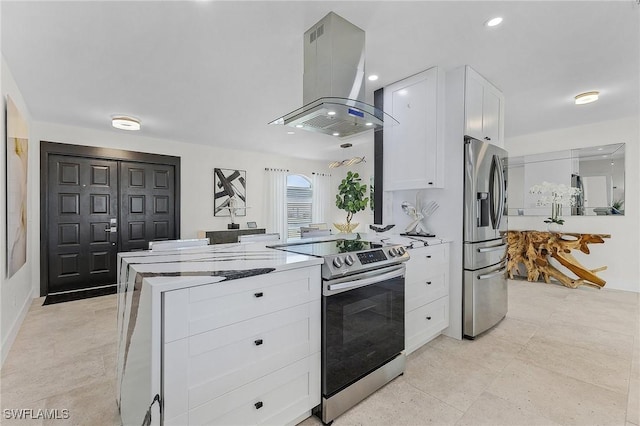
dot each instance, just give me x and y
(229, 192)
(17, 162)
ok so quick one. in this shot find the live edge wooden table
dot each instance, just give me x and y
(534, 248)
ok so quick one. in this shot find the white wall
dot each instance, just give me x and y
(362, 146)
(15, 292)
(622, 251)
(197, 164)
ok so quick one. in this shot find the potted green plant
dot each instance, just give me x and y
(616, 207)
(351, 198)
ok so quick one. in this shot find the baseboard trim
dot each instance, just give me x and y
(15, 328)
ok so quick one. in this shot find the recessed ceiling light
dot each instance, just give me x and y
(299, 126)
(124, 122)
(336, 134)
(373, 77)
(331, 113)
(600, 149)
(587, 97)
(368, 124)
(494, 21)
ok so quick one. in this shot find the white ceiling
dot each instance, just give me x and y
(216, 72)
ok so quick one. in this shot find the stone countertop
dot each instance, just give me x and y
(408, 242)
(214, 263)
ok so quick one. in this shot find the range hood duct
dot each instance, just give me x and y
(334, 81)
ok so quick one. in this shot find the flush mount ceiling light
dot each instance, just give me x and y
(587, 97)
(124, 122)
(494, 21)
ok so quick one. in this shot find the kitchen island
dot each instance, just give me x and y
(230, 334)
(218, 334)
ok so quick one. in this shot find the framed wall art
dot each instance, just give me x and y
(229, 192)
(17, 195)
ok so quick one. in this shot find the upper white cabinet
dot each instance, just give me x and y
(484, 109)
(414, 148)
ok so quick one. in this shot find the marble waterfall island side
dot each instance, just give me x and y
(181, 312)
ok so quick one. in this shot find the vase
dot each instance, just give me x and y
(346, 227)
(554, 227)
(556, 212)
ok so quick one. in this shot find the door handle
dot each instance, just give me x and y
(111, 229)
(492, 248)
(493, 274)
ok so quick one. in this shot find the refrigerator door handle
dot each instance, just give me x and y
(493, 274)
(503, 191)
(492, 248)
(496, 172)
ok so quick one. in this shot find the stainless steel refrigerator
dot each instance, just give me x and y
(485, 224)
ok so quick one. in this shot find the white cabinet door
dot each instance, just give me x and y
(426, 295)
(413, 149)
(473, 103)
(484, 109)
(244, 351)
(491, 108)
(426, 323)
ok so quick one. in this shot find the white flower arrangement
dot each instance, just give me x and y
(554, 193)
(557, 195)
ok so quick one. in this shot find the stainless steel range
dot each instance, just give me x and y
(362, 319)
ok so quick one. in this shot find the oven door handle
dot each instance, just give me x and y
(357, 283)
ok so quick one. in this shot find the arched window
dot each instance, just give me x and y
(299, 204)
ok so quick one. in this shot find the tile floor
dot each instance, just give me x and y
(561, 357)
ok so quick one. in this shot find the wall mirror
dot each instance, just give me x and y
(597, 171)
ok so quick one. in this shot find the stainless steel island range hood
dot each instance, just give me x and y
(333, 82)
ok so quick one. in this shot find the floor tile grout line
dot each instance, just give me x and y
(435, 397)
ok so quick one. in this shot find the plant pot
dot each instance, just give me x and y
(346, 227)
(554, 227)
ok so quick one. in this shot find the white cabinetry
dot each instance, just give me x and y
(244, 351)
(484, 109)
(426, 295)
(414, 148)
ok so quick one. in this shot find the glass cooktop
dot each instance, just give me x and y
(327, 248)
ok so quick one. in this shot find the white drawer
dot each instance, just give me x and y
(199, 309)
(271, 400)
(215, 362)
(425, 323)
(427, 260)
(421, 292)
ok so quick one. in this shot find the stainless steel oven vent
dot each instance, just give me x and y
(334, 82)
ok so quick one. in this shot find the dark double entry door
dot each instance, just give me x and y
(99, 207)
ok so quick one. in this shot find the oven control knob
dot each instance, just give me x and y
(337, 262)
(401, 251)
(349, 260)
(393, 252)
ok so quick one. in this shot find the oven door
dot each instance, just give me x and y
(362, 325)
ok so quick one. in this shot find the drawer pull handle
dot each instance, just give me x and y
(258, 342)
(260, 294)
(428, 282)
(258, 405)
(429, 318)
(428, 256)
